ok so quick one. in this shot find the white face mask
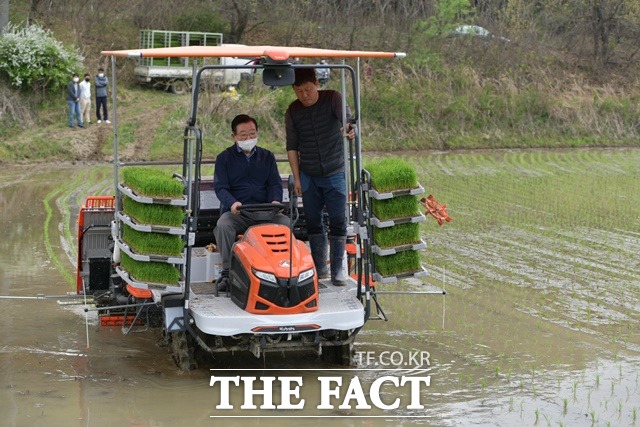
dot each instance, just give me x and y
(248, 144)
(75, 79)
(101, 75)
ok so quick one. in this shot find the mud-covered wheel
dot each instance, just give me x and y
(179, 87)
(183, 350)
(338, 355)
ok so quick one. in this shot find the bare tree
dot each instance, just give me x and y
(593, 28)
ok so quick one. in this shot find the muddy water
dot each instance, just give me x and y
(499, 352)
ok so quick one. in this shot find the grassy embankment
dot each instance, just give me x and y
(457, 95)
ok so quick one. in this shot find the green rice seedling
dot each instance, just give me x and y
(401, 234)
(154, 272)
(171, 216)
(407, 261)
(391, 174)
(398, 207)
(152, 243)
(152, 182)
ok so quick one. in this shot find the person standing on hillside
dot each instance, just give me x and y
(315, 150)
(85, 98)
(102, 83)
(73, 101)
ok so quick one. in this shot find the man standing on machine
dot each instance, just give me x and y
(315, 150)
(248, 174)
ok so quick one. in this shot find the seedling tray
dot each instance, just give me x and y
(150, 285)
(150, 228)
(148, 257)
(400, 248)
(396, 193)
(398, 276)
(395, 221)
(182, 201)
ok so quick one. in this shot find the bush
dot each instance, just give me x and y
(201, 20)
(32, 58)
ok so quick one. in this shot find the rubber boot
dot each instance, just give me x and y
(222, 284)
(318, 244)
(336, 247)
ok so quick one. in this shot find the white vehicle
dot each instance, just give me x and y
(175, 73)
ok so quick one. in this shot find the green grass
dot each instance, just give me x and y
(152, 182)
(391, 174)
(390, 265)
(154, 272)
(401, 234)
(152, 243)
(398, 207)
(168, 140)
(171, 216)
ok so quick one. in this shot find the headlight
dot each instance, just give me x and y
(267, 277)
(305, 275)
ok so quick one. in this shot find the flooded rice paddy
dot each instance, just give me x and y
(540, 324)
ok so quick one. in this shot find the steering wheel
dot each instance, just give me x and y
(261, 207)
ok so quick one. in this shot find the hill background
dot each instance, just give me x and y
(567, 76)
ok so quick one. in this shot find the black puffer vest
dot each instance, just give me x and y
(317, 127)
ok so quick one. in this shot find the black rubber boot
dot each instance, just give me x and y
(318, 244)
(222, 284)
(336, 247)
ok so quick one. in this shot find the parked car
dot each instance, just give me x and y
(475, 31)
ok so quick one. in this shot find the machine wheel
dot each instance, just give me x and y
(184, 351)
(179, 87)
(338, 354)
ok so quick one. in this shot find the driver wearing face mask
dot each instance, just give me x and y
(244, 174)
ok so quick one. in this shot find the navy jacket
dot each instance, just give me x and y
(248, 180)
(101, 84)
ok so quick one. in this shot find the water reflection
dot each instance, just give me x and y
(504, 358)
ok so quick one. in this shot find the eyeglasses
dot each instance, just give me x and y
(246, 135)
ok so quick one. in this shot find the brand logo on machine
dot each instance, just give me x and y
(284, 263)
(391, 388)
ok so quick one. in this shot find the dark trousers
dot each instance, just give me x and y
(101, 102)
